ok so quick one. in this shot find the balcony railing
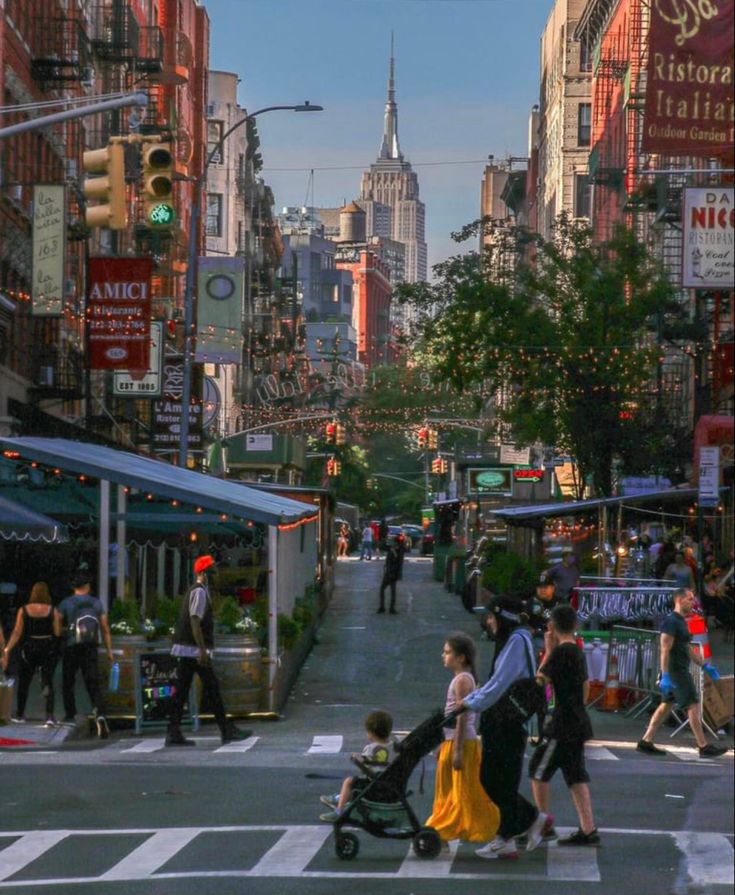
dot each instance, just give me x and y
(150, 50)
(116, 33)
(60, 51)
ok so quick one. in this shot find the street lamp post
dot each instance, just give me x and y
(191, 268)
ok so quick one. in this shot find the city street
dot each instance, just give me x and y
(129, 816)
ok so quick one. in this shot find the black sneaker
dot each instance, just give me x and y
(649, 748)
(382, 609)
(178, 740)
(712, 751)
(235, 735)
(580, 838)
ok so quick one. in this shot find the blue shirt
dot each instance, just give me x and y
(511, 666)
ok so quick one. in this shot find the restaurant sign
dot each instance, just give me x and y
(689, 101)
(119, 313)
(490, 481)
(708, 260)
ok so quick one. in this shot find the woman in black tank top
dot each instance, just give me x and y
(37, 631)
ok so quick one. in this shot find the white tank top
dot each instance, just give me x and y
(452, 703)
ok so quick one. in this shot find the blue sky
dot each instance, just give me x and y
(466, 78)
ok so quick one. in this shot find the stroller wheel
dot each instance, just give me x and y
(347, 845)
(427, 843)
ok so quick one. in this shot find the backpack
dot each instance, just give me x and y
(85, 625)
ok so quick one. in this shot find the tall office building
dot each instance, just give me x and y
(390, 193)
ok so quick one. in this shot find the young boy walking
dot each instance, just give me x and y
(373, 758)
(565, 668)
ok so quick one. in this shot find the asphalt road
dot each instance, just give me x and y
(129, 816)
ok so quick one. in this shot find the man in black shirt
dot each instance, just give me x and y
(677, 684)
(391, 574)
(565, 668)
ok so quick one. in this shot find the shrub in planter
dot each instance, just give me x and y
(289, 631)
(510, 574)
(124, 618)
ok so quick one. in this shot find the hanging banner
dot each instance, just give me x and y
(49, 250)
(166, 423)
(119, 313)
(708, 259)
(220, 296)
(689, 101)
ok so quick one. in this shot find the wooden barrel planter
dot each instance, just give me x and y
(238, 665)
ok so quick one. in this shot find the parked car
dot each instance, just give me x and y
(396, 531)
(414, 534)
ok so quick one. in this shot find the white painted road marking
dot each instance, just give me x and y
(29, 847)
(599, 753)
(239, 746)
(293, 852)
(573, 863)
(419, 868)
(708, 858)
(151, 745)
(326, 745)
(151, 854)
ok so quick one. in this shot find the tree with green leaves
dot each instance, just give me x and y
(563, 333)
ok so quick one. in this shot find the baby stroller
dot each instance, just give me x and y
(382, 809)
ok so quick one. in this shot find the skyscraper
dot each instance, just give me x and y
(390, 192)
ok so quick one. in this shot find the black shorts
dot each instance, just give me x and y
(553, 755)
(685, 693)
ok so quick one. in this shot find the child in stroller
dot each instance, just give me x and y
(380, 806)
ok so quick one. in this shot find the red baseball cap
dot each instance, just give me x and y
(203, 563)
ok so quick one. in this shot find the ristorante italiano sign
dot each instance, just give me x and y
(689, 92)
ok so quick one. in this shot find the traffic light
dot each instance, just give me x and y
(158, 186)
(433, 439)
(330, 433)
(438, 466)
(334, 467)
(339, 435)
(108, 186)
(423, 437)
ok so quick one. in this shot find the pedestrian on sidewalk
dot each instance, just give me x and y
(84, 619)
(391, 574)
(371, 761)
(676, 683)
(36, 633)
(503, 735)
(462, 809)
(565, 733)
(680, 572)
(564, 576)
(367, 543)
(193, 646)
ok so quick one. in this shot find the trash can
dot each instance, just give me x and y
(441, 552)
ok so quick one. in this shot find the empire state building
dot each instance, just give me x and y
(389, 193)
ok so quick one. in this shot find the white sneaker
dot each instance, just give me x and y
(499, 849)
(535, 832)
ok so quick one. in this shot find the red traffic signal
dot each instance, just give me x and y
(423, 437)
(330, 433)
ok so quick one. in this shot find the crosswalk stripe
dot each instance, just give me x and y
(420, 868)
(708, 858)
(569, 862)
(690, 755)
(239, 746)
(151, 854)
(151, 745)
(293, 852)
(325, 745)
(599, 753)
(29, 847)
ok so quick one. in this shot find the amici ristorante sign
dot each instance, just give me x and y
(689, 91)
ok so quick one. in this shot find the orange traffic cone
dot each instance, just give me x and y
(611, 702)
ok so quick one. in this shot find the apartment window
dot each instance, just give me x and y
(584, 124)
(215, 130)
(582, 196)
(585, 56)
(214, 214)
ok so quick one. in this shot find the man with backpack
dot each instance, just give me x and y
(84, 622)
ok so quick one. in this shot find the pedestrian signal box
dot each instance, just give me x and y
(158, 186)
(108, 186)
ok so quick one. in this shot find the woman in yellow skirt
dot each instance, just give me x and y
(462, 809)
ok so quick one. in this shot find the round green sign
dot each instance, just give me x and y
(491, 480)
(161, 215)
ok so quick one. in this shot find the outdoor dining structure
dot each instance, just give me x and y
(180, 513)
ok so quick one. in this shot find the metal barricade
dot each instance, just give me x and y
(636, 653)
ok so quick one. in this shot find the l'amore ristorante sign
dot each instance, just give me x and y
(689, 98)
